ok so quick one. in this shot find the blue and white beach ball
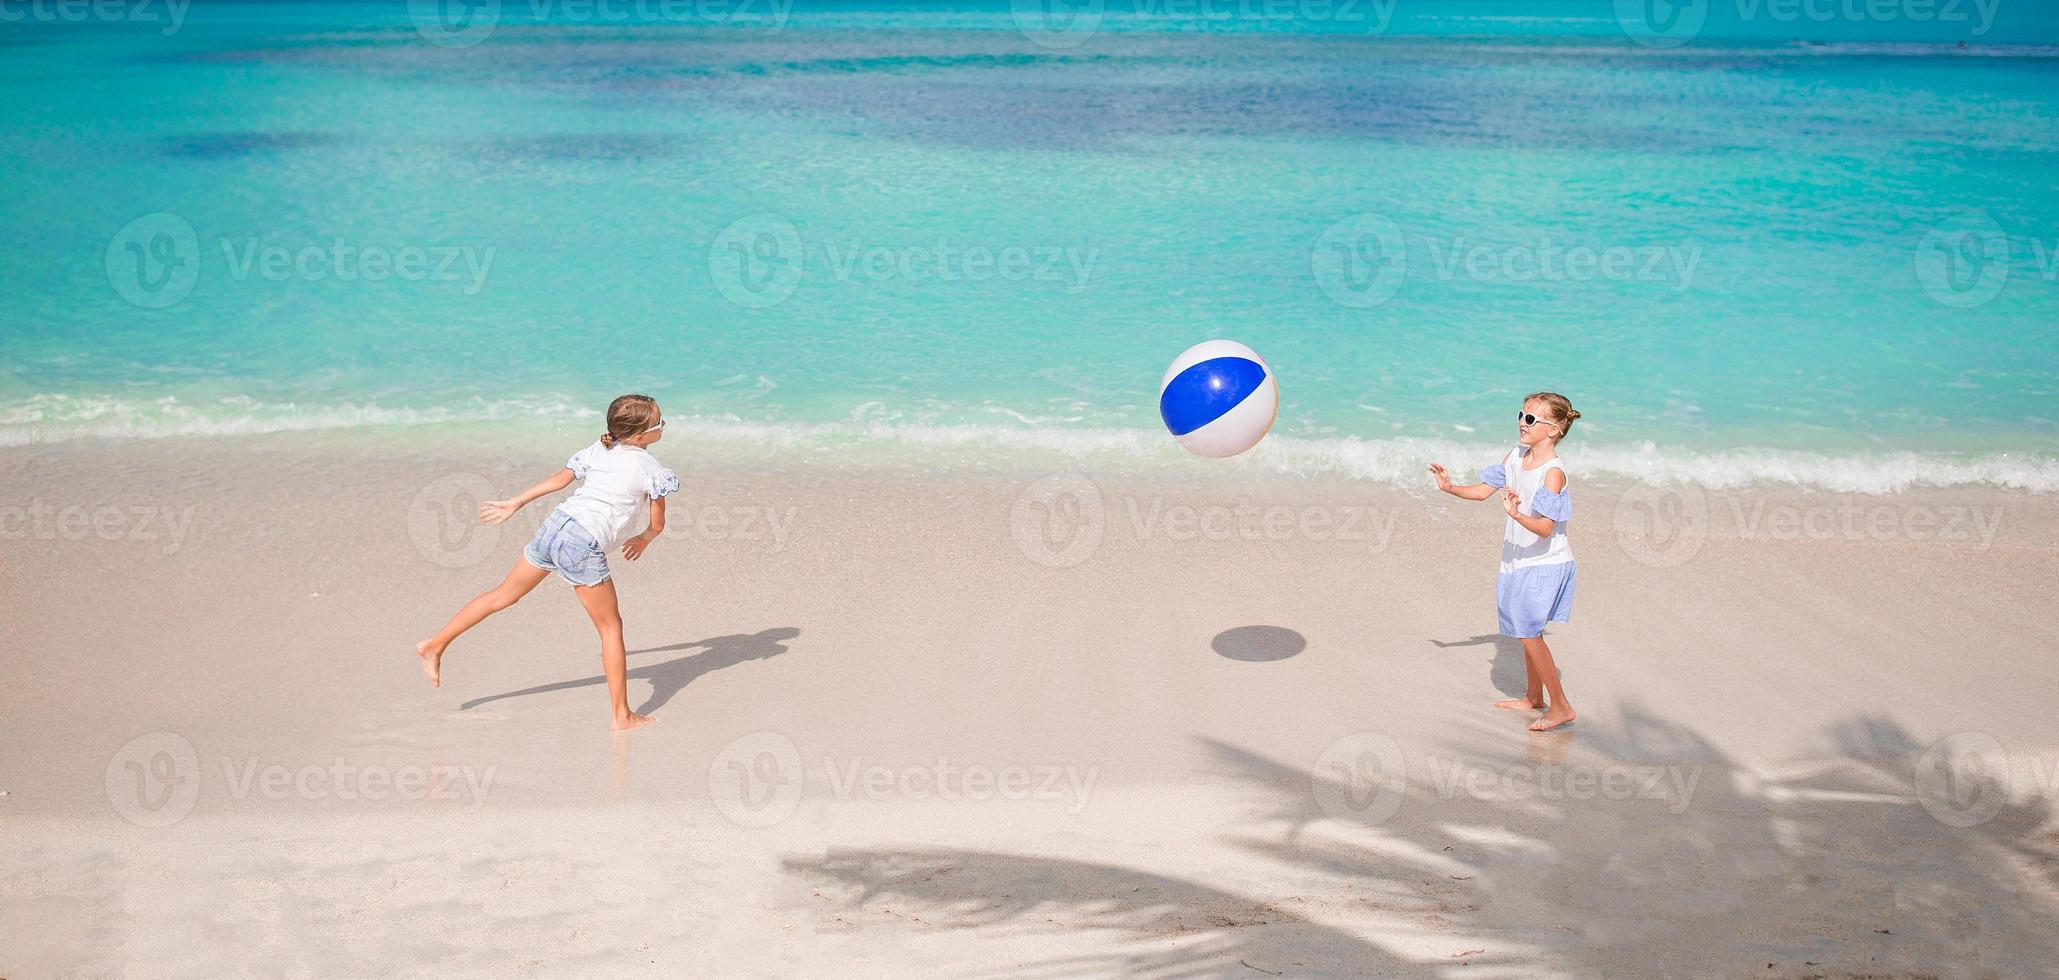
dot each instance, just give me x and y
(1218, 398)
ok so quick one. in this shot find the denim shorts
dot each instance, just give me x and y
(562, 546)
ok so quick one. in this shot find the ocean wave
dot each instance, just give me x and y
(860, 440)
(48, 418)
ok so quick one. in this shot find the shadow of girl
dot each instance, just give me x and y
(672, 676)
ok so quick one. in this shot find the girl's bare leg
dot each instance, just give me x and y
(599, 601)
(1543, 668)
(520, 580)
(1533, 686)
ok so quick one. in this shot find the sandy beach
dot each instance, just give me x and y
(1038, 723)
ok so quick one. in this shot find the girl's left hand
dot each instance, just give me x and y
(632, 549)
(1510, 502)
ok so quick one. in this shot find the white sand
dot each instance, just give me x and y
(978, 759)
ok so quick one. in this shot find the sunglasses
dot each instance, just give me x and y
(1529, 420)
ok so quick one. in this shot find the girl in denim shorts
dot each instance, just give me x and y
(574, 541)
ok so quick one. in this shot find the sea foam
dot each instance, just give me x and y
(860, 441)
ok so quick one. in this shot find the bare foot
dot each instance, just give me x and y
(633, 720)
(1552, 719)
(1519, 704)
(432, 661)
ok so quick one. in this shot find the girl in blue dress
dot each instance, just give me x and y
(1535, 585)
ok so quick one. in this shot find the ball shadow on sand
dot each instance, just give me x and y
(1259, 644)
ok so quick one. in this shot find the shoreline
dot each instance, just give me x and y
(978, 452)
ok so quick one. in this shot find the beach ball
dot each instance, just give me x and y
(1218, 398)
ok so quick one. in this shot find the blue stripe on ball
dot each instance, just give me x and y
(1204, 392)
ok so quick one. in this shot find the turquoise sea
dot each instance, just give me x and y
(1757, 244)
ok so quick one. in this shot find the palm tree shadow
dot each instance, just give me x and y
(1725, 848)
(1167, 926)
(1849, 862)
(672, 676)
(1506, 671)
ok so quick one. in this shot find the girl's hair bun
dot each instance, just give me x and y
(1560, 408)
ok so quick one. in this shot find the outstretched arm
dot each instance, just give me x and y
(1470, 491)
(496, 511)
